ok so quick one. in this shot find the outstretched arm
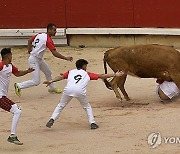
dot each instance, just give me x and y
(58, 55)
(105, 76)
(21, 73)
(58, 78)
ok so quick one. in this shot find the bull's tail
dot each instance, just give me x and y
(108, 85)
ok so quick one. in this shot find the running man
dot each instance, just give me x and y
(6, 69)
(167, 90)
(36, 47)
(77, 81)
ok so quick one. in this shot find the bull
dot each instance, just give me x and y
(144, 61)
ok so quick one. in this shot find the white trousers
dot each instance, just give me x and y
(37, 64)
(16, 111)
(65, 99)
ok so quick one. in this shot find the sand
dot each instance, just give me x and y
(122, 129)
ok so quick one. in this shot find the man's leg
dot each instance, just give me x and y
(16, 111)
(65, 99)
(33, 63)
(10, 106)
(47, 72)
(87, 107)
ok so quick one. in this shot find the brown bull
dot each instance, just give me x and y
(145, 61)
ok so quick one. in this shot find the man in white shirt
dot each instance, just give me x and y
(167, 90)
(77, 81)
(37, 46)
(6, 70)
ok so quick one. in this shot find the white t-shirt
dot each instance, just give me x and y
(5, 74)
(169, 89)
(40, 42)
(77, 81)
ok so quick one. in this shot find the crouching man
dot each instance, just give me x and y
(77, 81)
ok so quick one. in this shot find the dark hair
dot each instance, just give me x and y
(50, 26)
(80, 63)
(5, 51)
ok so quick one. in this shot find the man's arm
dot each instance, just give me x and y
(105, 76)
(21, 73)
(58, 78)
(58, 55)
(51, 46)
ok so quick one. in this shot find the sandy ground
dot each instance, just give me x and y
(122, 129)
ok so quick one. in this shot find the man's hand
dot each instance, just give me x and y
(69, 58)
(58, 55)
(30, 70)
(21, 73)
(119, 73)
(47, 83)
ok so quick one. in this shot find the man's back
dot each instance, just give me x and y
(169, 89)
(40, 42)
(77, 82)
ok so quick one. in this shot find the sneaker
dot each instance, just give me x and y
(14, 139)
(55, 90)
(17, 90)
(50, 123)
(94, 126)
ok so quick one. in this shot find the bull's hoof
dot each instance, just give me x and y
(110, 88)
(119, 98)
(127, 99)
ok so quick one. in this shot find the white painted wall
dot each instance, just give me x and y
(18, 37)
